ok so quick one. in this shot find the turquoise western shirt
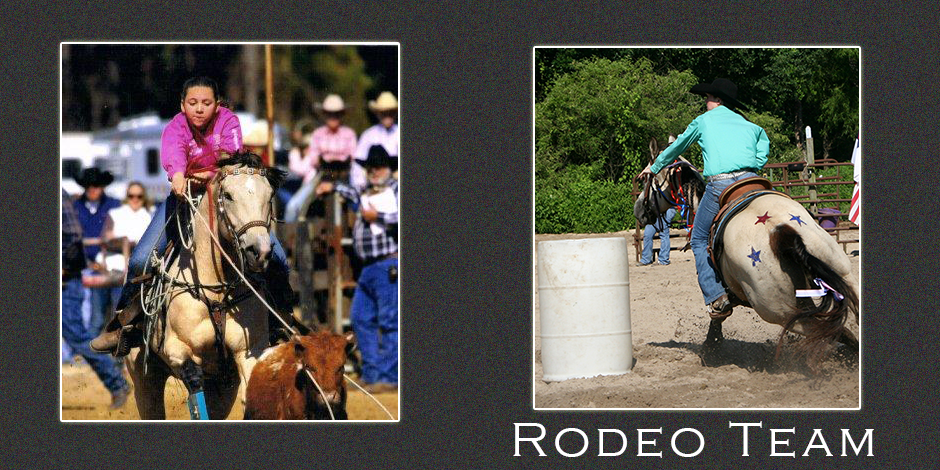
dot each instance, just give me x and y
(729, 143)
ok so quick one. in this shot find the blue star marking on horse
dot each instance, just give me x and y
(755, 257)
(797, 219)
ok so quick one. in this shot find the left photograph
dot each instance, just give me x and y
(230, 217)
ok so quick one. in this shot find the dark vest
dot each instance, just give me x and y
(93, 224)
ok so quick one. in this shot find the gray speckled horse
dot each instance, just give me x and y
(768, 250)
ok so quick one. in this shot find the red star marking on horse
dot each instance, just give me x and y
(762, 219)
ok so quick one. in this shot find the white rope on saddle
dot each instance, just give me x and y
(157, 297)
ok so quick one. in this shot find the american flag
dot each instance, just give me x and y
(855, 211)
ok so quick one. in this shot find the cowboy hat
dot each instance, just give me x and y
(722, 88)
(331, 104)
(94, 177)
(258, 135)
(385, 102)
(378, 157)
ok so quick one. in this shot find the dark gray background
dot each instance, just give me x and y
(466, 209)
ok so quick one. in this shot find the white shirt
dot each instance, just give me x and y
(375, 135)
(127, 223)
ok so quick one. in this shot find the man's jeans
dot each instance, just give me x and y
(647, 256)
(708, 208)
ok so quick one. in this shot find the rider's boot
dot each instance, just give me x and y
(283, 299)
(721, 308)
(122, 333)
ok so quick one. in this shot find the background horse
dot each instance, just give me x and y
(676, 185)
(212, 328)
(771, 248)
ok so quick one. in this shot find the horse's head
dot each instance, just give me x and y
(676, 184)
(653, 200)
(244, 193)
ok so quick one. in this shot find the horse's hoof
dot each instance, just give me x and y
(711, 351)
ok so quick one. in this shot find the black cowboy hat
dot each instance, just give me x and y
(378, 157)
(722, 88)
(94, 177)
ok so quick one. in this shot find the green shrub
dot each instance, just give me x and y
(577, 202)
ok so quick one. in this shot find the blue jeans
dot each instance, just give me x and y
(708, 208)
(647, 256)
(292, 210)
(77, 337)
(374, 318)
(155, 238)
(101, 297)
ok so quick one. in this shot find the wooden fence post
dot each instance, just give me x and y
(810, 160)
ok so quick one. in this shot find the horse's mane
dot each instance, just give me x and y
(251, 160)
(692, 180)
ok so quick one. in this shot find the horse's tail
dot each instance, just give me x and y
(823, 322)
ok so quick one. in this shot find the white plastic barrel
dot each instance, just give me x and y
(584, 308)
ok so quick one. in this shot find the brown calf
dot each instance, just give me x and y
(279, 387)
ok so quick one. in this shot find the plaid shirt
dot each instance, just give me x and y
(368, 245)
(71, 227)
(73, 258)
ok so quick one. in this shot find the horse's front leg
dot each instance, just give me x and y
(149, 386)
(191, 374)
(245, 361)
(712, 344)
(182, 360)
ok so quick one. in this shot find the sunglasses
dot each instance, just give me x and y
(135, 196)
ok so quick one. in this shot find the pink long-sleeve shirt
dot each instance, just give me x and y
(179, 150)
(324, 146)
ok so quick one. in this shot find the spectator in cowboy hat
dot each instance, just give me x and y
(374, 309)
(256, 140)
(733, 148)
(92, 210)
(74, 332)
(326, 158)
(385, 133)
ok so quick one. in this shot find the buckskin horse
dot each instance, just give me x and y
(771, 256)
(205, 324)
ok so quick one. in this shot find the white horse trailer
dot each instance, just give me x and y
(131, 152)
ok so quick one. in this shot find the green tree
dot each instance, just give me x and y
(593, 129)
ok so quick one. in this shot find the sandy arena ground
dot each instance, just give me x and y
(85, 398)
(669, 323)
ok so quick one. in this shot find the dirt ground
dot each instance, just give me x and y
(85, 398)
(669, 323)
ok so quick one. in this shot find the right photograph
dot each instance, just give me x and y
(697, 241)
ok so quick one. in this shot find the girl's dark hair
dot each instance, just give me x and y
(201, 81)
(247, 159)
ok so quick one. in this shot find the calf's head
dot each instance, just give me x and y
(323, 354)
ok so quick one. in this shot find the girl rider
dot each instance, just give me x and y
(191, 144)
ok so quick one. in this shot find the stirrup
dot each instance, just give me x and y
(129, 337)
(721, 308)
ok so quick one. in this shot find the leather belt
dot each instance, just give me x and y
(369, 261)
(734, 174)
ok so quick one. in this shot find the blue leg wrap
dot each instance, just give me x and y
(197, 406)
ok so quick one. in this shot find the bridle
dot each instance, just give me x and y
(216, 202)
(678, 196)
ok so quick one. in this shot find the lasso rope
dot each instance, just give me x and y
(323, 395)
(369, 395)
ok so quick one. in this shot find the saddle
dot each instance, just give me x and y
(733, 200)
